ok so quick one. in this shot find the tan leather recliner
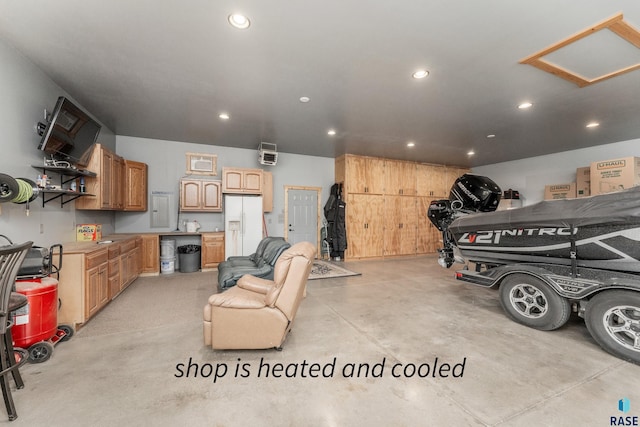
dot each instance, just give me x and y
(258, 313)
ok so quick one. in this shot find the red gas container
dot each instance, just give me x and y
(38, 321)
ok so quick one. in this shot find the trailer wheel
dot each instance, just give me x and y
(613, 320)
(530, 301)
(40, 352)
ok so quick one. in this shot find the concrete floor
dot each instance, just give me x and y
(120, 369)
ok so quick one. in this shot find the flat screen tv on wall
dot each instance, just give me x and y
(70, 134)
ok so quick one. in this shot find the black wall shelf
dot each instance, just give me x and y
(66, 175)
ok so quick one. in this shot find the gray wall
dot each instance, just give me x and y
(167, 163)
(26, 92)
(529, 176)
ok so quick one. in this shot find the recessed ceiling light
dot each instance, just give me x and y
(593, 125)
(304, 99)
(525, 105)
(471, 153)
(411, 144)
(331, 132)
(239, 21)
(223, 116)
(420, 74)
(491, 135)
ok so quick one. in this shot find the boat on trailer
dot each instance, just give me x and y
(598, 232)
(551, 258)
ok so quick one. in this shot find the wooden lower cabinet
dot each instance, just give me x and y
(96, 289)
(150, 254)
(130, 253)
(212, 250)
(400, 225)
(380, 226)
(115, 283)
(365, 219)
(92, 276)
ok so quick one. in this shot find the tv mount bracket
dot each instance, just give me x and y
(40, 127)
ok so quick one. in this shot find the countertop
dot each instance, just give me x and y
(91, 246)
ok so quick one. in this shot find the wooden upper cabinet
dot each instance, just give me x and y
(100, 186)
(106, 177)
(267, 191)
(392, 177)
(241, 181)
(211, 196)
(116, 186)
(400, 178)
(409, 170)
(232, 180)
(253, 181)
(431, 181)
(190, 194)
(117, 183)
(364, 175)
(197, 195)
(135, 186)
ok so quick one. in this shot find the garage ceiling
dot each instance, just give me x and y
(167, 69)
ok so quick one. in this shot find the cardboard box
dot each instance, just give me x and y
(614, 175)
(88, 232)
(583, 182)
(560, 191)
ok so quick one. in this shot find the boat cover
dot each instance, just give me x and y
(599, 232)
(622, 207)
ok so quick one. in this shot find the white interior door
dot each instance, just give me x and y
(302, 216)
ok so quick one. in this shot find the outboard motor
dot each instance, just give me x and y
(475, 193)
(469, 194)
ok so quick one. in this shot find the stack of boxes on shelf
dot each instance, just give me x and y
(605, 176)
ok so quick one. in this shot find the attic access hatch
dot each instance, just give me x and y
(617, 26)
(267, 154)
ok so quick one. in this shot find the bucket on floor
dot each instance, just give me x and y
(167, 248)
(167, 264)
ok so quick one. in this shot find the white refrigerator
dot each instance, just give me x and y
(242, 224)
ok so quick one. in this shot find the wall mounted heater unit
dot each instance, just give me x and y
(267, 154)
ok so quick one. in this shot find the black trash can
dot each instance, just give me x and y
(189, 257)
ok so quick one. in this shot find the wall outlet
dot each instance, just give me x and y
(41, 228)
